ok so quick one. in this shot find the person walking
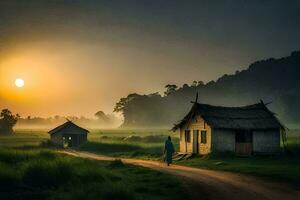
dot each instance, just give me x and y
(169, 150)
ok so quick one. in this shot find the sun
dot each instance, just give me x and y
(19, 82)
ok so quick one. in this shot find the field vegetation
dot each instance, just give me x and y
(144, 144)
(43, 174)
(148, 144)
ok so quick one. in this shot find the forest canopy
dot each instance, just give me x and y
(273, 80)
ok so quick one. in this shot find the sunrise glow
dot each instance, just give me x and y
(19, 82)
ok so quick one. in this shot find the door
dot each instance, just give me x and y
(243, 142)
(65, 142)
(187, 139)
(70, 141)
(195, 141)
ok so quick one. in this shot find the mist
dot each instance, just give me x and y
(100, 121)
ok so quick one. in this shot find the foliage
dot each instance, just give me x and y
(7, 121)
(170, 89)
(277, 80)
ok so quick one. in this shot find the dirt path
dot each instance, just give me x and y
(209, 184)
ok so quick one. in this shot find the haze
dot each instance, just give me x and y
(78, 57)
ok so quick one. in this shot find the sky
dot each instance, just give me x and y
(78, 57)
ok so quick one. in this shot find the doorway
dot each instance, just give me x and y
(65, 143)
(195, 141)
(244, 142)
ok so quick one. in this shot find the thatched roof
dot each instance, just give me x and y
(68, 127)
(251, 117)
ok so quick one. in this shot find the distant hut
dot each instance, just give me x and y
(246, 130)
(68, 135)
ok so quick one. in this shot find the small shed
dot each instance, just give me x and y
(246, 130)
(68, 135)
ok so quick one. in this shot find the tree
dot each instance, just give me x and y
(200, 83)
(194, 84)
(185, 86)
(120, 106)
(100, 114)
(102, 117)
(170, 89)
(7, 121)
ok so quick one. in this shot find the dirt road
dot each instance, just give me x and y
(211, 185)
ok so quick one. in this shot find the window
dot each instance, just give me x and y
(203, 137)
(187, 135)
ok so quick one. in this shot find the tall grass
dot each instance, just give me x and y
(46, 175)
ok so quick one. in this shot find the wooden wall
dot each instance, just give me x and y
(196, 124)
(223, 140)
(76, 139)
(57, 139)
(266, 142)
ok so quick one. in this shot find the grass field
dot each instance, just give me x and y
(148, 144)
(23, 138)
(42, 174)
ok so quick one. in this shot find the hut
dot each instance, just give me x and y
(68, 135)
(246, 130)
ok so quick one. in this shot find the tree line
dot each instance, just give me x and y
(273, 80)
(8, 121)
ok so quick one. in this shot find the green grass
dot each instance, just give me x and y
(36, 174)
(144, 144)
(23, 138)
(148, 144)
(280, 168)
(293, 142)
